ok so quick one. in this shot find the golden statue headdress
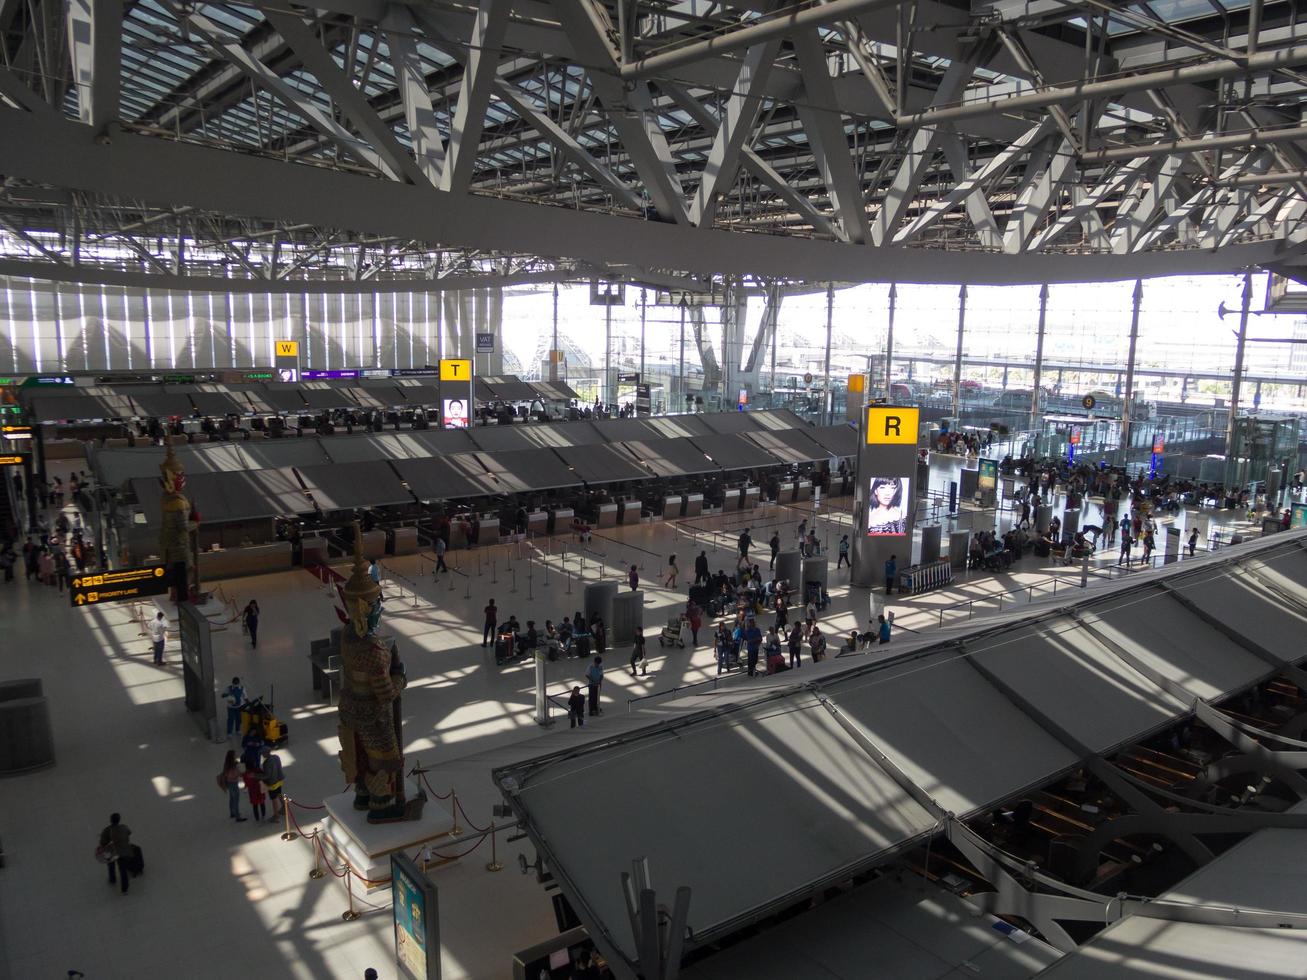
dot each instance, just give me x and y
(360, 588)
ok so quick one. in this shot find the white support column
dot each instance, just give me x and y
(957, 360)
(1236, 381)
(1127, 402)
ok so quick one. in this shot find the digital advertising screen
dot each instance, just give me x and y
(453, 413)
(1298, 516)
(988, 476)
(888, 500)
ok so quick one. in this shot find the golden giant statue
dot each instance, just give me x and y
(177, 522)
(370, 727)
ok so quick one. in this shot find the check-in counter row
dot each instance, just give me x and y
(691, 504)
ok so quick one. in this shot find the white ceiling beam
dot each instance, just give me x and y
(411, 81)
(739, 116)
(1040, 187)
(630, 110)
(175, 173)
(975, 183)
(230, 48)
(342, 90)
(755, 164)
(1135, 213)
(1089, 202)
(925, 144)
(479, 70)
(826, 138)
(95, 50)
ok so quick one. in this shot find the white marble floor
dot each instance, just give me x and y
(220, 897)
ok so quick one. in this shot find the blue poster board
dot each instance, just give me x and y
(417, 928)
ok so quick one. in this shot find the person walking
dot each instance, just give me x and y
(274, 778)
(1127, 543)
(158, 630)
(670, 581)
(576, 709)
(817, 644)
(701, 569)
(795, 643)
(594, 676)
(235, 697)
(638, 655)
(229, 779)
(251, 621)
(745, 541)
(752, 644)
(116, 846)
(884, 629)
(492, 620)
(374, 572)
(1193, 542)
(891, 570)
(253, 779)
(844, 554)
(695, 616)
(722, 641)
(441, 548)
(775, 545)
(633, 578)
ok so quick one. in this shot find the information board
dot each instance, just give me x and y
(417, 929)
(987, 477)
(121, 583)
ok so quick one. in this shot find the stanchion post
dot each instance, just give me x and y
(467, 593)
(530, 574)
(568, 576)
(494, 572)
(456, 830)
(317, 871)
(513, 572)
(349, 915)
(287, 834)
(493, 864)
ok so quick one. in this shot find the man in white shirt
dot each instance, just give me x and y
(158, 630)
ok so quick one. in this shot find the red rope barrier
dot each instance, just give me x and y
(479, 830)
(306, 806)
(423, 777)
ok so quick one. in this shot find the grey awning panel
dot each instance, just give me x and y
(1077, 682)
(788, 445)
(348, 486)
(839, 440)
(284, 399)
(325, 397)
(734, 452)
(670, 457)
(840, 810)
(601, 464)
(439, 479)
(216, 403)
(729, 421)
(529, 469)
(161, 405)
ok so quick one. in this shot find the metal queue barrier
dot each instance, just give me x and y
(923, 578)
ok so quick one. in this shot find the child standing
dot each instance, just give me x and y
(254, 786)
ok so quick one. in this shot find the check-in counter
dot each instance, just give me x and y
(803, 490)
(253, 560)
(731, 500)
(406, 541)
(537, 522)
(314, 550)
(629, 512)
(693, 504)
(785, 493)
(672, 506)
(751, 497)
(374, 544)
(607, 515)
(458, 532)
(488, 533)
(560, 520)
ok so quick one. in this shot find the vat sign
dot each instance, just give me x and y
(485, 343)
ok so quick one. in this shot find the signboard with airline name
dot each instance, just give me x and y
(93, 588)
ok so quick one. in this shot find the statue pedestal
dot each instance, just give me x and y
(367, 847)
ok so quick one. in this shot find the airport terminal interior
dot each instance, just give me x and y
(571, 489)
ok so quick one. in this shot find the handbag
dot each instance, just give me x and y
(104, 853)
